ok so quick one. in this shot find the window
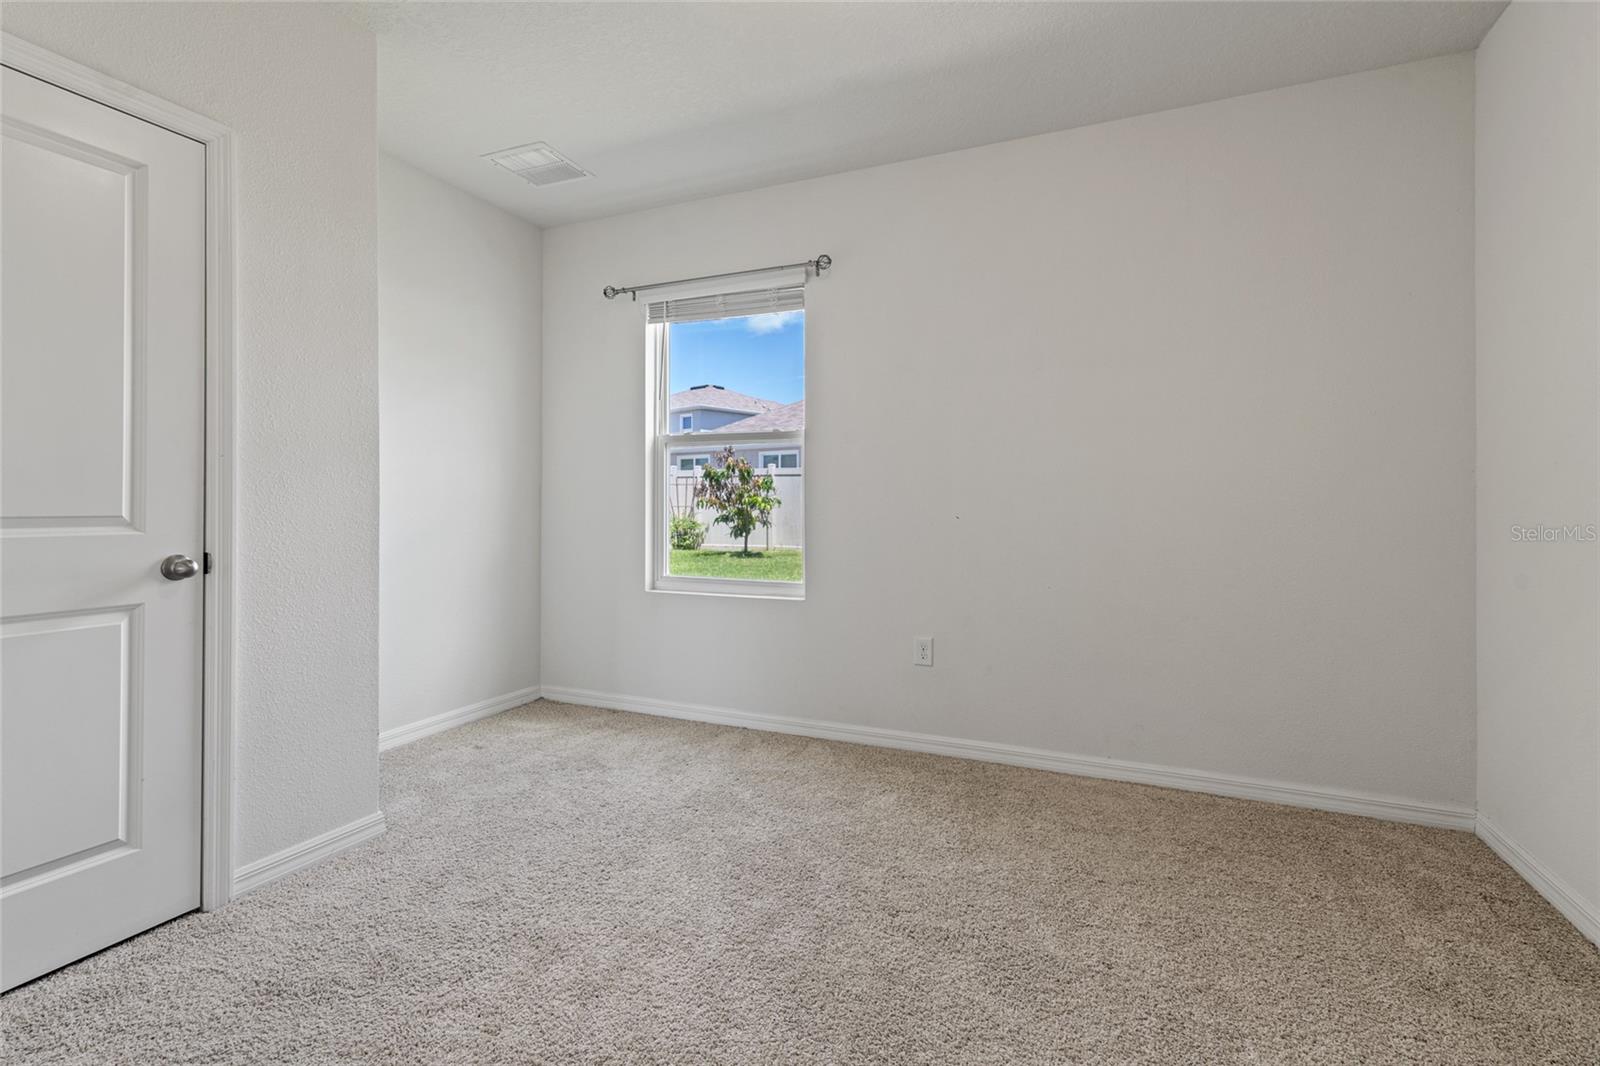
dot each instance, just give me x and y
(781, 460)
(727, 494)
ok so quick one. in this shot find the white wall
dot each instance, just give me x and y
(458, 339)
(1538, 270)
(297, 84)
(1236, 342)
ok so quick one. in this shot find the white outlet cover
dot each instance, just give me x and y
(922, 652)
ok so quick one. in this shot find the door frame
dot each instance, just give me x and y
(221, 465)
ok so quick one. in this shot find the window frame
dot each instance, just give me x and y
(660, 442)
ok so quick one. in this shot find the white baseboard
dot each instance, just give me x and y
(306, 853)
(1577, 910)
(1323, 799)
(405, 734)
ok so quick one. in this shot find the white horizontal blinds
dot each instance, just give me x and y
(728, 305)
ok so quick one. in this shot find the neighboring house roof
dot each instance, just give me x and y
(717, 398)
(789, 418)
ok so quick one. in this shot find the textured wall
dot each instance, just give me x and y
(1538, 262)
(458, 340)
(297, 83)
(1234, 346)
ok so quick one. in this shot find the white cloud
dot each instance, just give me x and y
(771, 323)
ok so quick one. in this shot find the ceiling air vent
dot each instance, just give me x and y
(538, 164)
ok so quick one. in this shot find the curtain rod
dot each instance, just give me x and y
(816, 266)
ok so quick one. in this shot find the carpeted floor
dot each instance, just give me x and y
(560, 884)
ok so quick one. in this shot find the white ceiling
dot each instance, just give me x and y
(671, 102)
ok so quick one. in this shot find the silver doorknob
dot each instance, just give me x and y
(178, 567)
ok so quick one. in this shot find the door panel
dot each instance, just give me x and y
(102, 375)
(65, 733)
(84, 211)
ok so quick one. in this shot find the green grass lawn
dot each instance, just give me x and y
(779, 564)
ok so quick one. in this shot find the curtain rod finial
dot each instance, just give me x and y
(823, 262)
(609, 292)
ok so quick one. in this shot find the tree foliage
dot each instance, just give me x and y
(741, 497)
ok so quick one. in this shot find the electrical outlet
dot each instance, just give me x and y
(922, 653)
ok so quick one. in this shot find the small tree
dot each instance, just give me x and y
(742, 498)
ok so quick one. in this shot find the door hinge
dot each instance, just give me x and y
(205, 559)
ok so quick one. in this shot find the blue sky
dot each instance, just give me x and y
(758, 355)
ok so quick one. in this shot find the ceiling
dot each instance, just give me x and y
(670, 102)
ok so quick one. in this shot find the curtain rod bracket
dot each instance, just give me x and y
(816, 266)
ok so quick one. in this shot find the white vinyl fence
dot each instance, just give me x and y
(788, 518)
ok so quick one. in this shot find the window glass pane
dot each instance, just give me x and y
(736, 375)
(739, 374)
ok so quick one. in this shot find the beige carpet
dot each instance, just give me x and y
(561, 884)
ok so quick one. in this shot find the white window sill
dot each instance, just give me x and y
(744, 590)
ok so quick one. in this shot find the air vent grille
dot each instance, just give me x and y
(537, 164)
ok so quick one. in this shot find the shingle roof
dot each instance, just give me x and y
(717, 398)
(790, 418)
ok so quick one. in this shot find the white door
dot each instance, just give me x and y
(102, 408)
